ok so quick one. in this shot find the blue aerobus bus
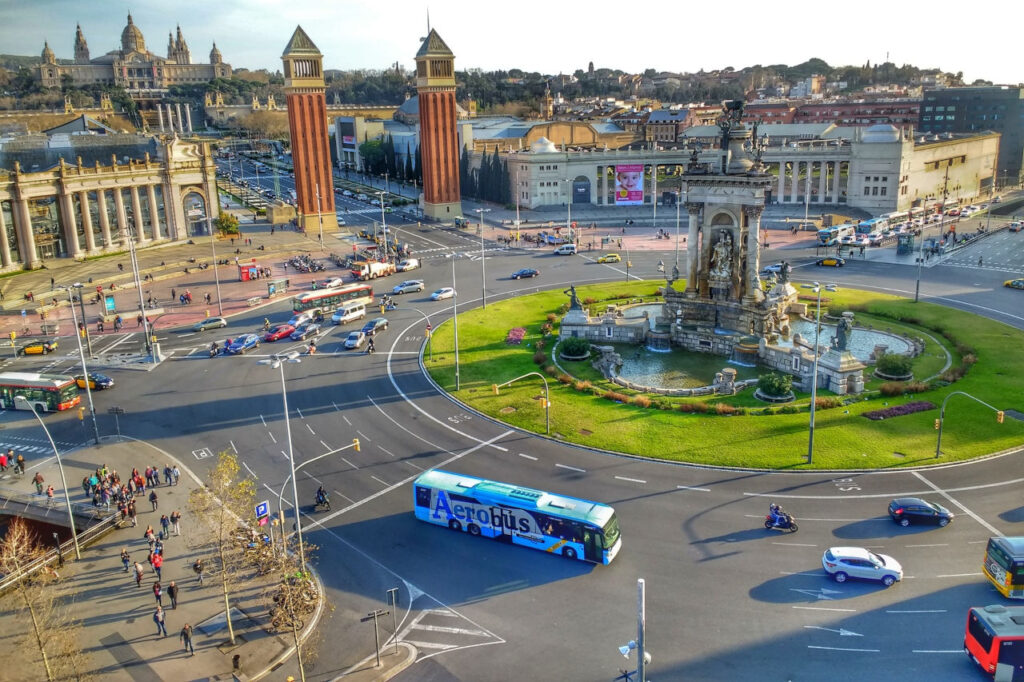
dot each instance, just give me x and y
(830, 236)
(557, 524)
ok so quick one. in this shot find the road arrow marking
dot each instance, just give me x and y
(822, 593)
(841, 631)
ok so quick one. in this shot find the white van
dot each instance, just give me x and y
(362, 197)
(348, 313)
(566, 250)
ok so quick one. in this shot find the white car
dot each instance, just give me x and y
(355, 340)
(408, 264)
(301, 319)
(875, 239)
(856, 562)
(441, 294)
(408, 286)
(848, 239)
(331, 283)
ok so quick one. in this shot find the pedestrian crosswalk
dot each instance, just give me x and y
(442, 629)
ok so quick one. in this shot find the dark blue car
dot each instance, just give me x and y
(242, 344)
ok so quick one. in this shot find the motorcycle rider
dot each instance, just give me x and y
(266, 324)
(369, 346)
(779, 517)
(321, 496)
(214, 349)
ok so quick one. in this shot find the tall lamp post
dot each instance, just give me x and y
(677, 228)
(147, 330)
(814, 378)
(455, 322)
(320, 215)
(213, 251)
(81, 306)
(483, 270)
(383, 223)
(63, 481)
(81, 355)
(278, 362)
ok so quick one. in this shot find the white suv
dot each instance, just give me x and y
(856, 562)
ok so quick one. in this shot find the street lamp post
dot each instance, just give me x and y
(320, 215)
(547, 396)
(277, 362)
(814, 378)
(280, 495)
(483, 269)
(677, 228)
(81, 355)
(213, 251)
(455, 322)
(63, 481)
(383, 223)
(85, 325)
(146, 329)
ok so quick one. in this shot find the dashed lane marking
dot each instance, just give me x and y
(823, 608)
(528, 457)
(839, 648)
(916, 611)
(378, 480)
(253, 473)
(362, 435)
(687, 487)
(631, 480)
(566, 466)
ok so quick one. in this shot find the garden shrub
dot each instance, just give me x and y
(641, 401)
(827, 403)
(574, 345)
(589, 300)
(724, 409)
(539, 357)
(916, 387)
(551, 317)
(551, 370)
(565, 379)
(582, 386)
(545, 328)
(615, 397)
(693, 408)
(661, 404)
(775, 383)
(894, 364)
(900, 410)
(563, 309)
(892, 388)
(789, 409)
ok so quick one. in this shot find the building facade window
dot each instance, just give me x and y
(47, 228)
(12, 232)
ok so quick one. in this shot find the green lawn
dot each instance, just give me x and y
(843, 439)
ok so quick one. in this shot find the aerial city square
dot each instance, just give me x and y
(315, 322)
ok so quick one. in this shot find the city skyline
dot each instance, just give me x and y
(366, 38)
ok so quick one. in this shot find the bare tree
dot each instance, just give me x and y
(51, 632)
(220, 508)
(294, 600)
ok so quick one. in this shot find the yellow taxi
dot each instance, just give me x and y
(832, 262)
(39, 347)
(1014, 283)
(610, 258)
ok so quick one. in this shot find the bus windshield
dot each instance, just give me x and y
(1004, 565)
(611, 532)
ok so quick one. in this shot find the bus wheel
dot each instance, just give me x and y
(569, 553)
(454, 525)
(473, 529)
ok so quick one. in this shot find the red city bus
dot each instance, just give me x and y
(332, 299)
(994, 639)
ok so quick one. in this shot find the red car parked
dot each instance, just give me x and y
(279, 331)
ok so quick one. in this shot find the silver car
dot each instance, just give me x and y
(856, 562)
(355, 340)
(408, 286)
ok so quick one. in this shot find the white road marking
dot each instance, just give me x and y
(311, 429)
(336, 407)
(941, 544)
(363, 436)
(349, 463)
(250, 471)
(631, 480)
(301, 416)
(687, 487)
(417, 468)
(958, 575)
(837, 648)
(378, 480)
(916, 611)
(937, 651)
(313, 477)
(442, 628)
(761, 516)
(823, 608)
(386, 451)
(528, 456)
(949, 497)
(285, 454)
(346, 419)
(793, 544)
(841, 632)
(325, 445)
(232, 444)
(269, 433)
(566, 466)
(340, 494)
(263, 420)
(811, 573)
(908, 493)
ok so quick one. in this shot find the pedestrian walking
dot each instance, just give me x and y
(172, 593)
(132, 514)
(38, 480)
(19, 463)
(168, 474)
(139, 570)
(186, 638)
(125, 558)
(176, 473)
(158, 618)
(158, 562)
(165, 524)
(176, 521)
(158, 592)
(198, 568)
(158, 548)
(153, 499)
(3, 462)
(174, 294)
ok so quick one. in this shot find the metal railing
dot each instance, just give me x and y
(14, 500)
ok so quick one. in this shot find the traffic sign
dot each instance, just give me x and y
(263, 509)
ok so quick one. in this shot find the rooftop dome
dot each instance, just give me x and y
(131, 38)
(48, 55)
(543, 146)
(215, 56)
(881, 132)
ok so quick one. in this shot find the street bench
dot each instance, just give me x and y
(253, 301)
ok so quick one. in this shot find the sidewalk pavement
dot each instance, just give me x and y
(119, 632)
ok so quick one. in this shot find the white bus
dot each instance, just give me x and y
(556, 524)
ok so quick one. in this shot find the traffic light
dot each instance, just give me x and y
(494, 387)
(355, 442)
(544, 402)
(14, 335)
(999, 416)
(938, 422)
(81, 414)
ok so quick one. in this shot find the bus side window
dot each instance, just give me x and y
(422, 497)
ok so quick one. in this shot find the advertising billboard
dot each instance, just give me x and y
(629, 184)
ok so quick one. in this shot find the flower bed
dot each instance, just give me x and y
(900, 410)
(515, 336)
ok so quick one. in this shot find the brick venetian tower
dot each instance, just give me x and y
(439, 147)
(307, 122)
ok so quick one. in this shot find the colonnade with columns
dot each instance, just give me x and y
(796, 181)
(175, 120)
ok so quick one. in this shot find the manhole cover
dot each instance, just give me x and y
(507, 410)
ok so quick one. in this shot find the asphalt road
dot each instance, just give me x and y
(726, 599)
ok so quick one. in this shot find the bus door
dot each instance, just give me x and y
(1010, 661)
(502, 524)
(593, 545)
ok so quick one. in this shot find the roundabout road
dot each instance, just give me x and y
(726, 598)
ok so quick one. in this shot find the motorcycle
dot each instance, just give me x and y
(214, 351)
(784, 521)
(324, 502)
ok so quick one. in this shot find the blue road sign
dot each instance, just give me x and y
(263, 509)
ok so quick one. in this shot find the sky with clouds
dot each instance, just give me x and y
(550, 37)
